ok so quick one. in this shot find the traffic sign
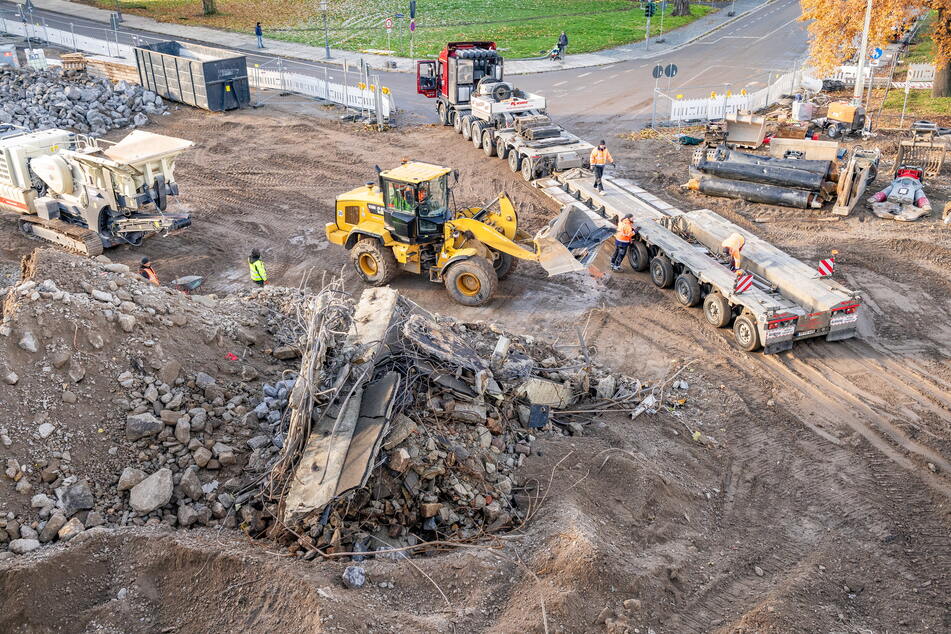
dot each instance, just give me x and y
(876, 53)
(658, 71)
(412, 25)
(670, 70)
(388, 24)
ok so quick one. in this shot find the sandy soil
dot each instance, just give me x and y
(821, 504)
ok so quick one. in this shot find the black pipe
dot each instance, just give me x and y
(755, 192)
(767, 174)
(806, 165)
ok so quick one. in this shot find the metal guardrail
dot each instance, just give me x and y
(365, 95)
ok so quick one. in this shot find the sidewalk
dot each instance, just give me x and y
(246, 42)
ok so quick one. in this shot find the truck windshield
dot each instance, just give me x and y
(433, 197)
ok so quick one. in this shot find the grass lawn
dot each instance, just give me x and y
(522, 28)
(921, 105)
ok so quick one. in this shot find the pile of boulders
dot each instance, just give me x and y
(53, 98)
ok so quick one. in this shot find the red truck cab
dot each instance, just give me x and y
(452, 77)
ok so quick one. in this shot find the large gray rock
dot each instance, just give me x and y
(153, 492)
(53, 524)
(23, 546)
(129, 478)
(77, 497)
(191, 485)
(28, 342)
(142, 425)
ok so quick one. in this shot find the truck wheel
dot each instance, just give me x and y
(476, 135)
(515, 160)
(746, 333)
(471, 282)
(456, 122)
(662, 272)
(717, 310)
(502, 150)
(638, 256)
(467, 128)
(688, 289)
(503, 264)
(443, 115)
(528, 169)
(488, 146)
(374, 263)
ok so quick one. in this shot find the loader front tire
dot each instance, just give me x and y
(746, 333)
(503, 264)
(717, 310)
(662, 272)
(375, 264)
(471, 282)
(515, 160)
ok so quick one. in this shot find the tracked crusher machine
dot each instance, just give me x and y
(87, 194)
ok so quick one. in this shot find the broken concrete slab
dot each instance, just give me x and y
(540, 391)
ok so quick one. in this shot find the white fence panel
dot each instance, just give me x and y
(921, 72)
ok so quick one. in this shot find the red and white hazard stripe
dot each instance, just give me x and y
(827, 267)
(743, 283)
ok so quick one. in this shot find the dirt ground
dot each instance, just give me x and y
(820, 504)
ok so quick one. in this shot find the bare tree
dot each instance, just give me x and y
(681, 7)
(208, 6)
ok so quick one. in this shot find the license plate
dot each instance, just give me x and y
(806, 333)
(843, 319)
(779, 333)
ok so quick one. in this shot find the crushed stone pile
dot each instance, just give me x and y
(131, 404)
(469, 402)
(54, 98)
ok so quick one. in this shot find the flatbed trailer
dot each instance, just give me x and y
(787, 301)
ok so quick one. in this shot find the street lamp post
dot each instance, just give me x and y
(863, 53)
(323, 7)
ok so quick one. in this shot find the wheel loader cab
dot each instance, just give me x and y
(415, 202)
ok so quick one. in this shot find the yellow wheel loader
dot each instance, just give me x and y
(404, 222)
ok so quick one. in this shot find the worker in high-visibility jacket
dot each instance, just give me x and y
(258, 272)
(146, 271)
(732, 247)
(622, 240)
(599, 158)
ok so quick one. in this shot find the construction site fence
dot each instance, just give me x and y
(360, 95)
(719, 104)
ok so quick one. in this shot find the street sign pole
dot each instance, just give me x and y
(663, 10)
(657, 72)
(647, 33)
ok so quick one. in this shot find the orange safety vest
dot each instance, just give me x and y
(601, 157)
(148, 273)
(625, 230)
(734, 244)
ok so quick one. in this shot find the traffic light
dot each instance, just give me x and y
(649, 10)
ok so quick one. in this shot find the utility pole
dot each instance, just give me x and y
(863, 53)
(648, 13)
(663, 10)
(323, 7)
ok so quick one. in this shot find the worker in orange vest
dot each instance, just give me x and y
(622, 240)
(146, 271)
(732, 247)
(599, 158)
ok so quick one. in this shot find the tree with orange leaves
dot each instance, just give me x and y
(836, 29)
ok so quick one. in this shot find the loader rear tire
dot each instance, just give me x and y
(515, 160)
(456, 122)
(688, 289)
(374, 263)
(488, 146)
(662, 272)
(503, 264)
(717, 310)
(638, 256)
(746, 333)
(471, 282)
(443, 115)
(467, 128)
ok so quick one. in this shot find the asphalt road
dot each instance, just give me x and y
(597, 100)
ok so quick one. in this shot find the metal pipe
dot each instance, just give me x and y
(767, 174)
(752, 192)
(807, 165)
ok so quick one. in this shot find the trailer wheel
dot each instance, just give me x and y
(502, 150)
(476, 135)
(443, 115)
(688, 289)
(662, 272)
(488, 146)
(374, 263)
(471, 282)
(717, 310)
(638, 256)
(503, 264)
(456, 122)
(746, 333)
(515, 160)
(467, 127)
(528, 169)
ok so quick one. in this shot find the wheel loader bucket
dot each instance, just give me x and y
(571, 240)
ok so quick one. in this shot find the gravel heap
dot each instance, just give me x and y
(53, 98)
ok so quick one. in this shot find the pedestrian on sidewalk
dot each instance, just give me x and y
(622, 240)
(562, 44)
(258, 272)
(599, 158)
(259, 32)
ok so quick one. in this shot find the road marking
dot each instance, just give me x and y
(598, 82)
(583, 75)
(561, 83)
(781, 26)
(614, 76)
(630, 70)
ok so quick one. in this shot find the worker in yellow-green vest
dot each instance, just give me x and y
(258, 272)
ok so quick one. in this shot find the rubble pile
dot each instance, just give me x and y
(471, 401)
(54, 98)
(131, 404)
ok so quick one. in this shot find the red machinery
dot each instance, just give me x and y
(453, 77)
